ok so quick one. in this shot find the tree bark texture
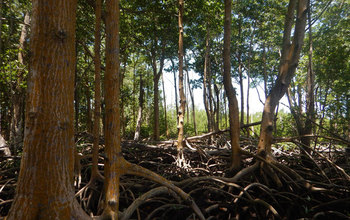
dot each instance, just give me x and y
(45, 183)
(112, 95)
(233, 103)
(97, 109)
(181, 89)
(288, 63)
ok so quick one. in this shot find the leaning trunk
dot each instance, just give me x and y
(289, 62)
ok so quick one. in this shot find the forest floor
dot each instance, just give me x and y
(281, 189)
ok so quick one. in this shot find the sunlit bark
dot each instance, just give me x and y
(180, 157)
(230, 92)
(289, 62)
(45, 188)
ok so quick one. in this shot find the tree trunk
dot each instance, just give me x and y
(175, 86)
(156, 77)
(240, 72)
(139, 114)
(310, 97)
(97, 112)
(288, 63)
(112, 109)
(44, 188)
(19, 93)
(192, 102)
(233, 104)
(180, 156)
(165, 111)
(205, 78)
(217, 108)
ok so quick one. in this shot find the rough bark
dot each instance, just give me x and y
(288, 63)
(112, 109)
(233, 104)
(97, 109)
(45, 183)
(180, 156)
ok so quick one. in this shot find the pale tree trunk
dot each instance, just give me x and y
(288, 63)
(205, 78)
(248, 79)
(240, 72)
(45, 183)
(97, 113)
(217, 108)
(175, 86)
(139, 114)
(193, 105)
(233, 103)
(180, 157)
(310, 97)
(19, 93)
(165, 111)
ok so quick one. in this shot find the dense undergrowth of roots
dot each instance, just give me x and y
(321, 191)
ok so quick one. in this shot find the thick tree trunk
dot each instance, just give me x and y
(45, 183)
(180, 156)
(289, 62)
(233, 104)
(112, 95)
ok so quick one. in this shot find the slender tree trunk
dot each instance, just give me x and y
(265, 71)
(310, 99)
(217, 94)
(180, 156)
(192, 102)
(45, 183)
(97, 112)
(76, 95)
(240, 72)
(139, 114)
(233, 103)
(248, 79)
(19, 93)
(156, 77)
(112, 95)
(205, 78)
(175, 86)
(165, 111)
(289, 62)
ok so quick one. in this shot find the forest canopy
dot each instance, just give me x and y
(173, 109)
